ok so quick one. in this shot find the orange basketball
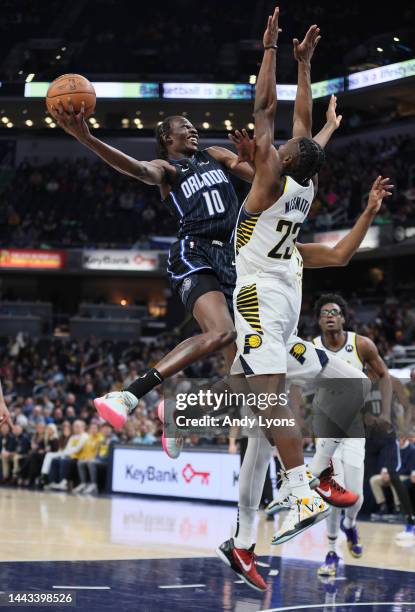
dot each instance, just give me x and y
(73, 86)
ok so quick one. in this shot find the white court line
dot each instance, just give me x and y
(342, 605)
(180, 586)
(85, 588)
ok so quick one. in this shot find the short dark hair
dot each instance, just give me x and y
(162, 132)
(330, 298)
(310, 160)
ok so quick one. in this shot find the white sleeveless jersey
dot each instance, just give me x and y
(347, 353)
(265, 242)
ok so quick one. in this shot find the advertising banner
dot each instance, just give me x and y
(196, 475)
(143, 261)
(31, 258)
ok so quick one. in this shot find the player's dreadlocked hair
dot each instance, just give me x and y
(310, 159)
(162, 131)
(330, 298)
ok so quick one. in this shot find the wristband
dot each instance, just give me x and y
(271, 47)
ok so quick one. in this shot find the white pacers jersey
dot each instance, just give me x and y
(351, 451)
(265, 242)
(348, 351)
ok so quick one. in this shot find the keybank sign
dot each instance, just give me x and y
(197, 475)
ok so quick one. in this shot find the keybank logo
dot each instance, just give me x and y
(150, 474)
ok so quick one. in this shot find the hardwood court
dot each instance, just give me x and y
(141, 554)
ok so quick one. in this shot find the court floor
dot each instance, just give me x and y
(146, 554)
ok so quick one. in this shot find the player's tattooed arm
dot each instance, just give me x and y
(369, 354)
(303, 107)
(158, 172)
(333, 122)
(321, 256)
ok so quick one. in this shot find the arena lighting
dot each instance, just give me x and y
(379, 49)
(48, 120)
(95, 125)
(30, 77)
(238, 91)
(396, 39)
(206, 125)
(58, 57)
(252, 79)
(29, 122)
(5, 119)
(250, 126)
(123, 302)
(383, 74)
(52, 124)
(63, 48)
(10, 124)
(92, 120)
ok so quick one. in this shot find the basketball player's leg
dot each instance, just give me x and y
(331, 562)
(209, 307)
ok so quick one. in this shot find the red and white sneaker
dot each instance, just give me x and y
(171, 446)
(115, 407)
(243, 563)
(333, 493)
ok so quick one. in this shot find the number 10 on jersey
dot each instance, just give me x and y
(213, 202)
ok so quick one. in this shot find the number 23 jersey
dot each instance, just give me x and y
(265, 242)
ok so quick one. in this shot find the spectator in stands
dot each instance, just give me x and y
(51, 454)
(35, 418)
(87, 454)
(44, 441)
(21, 450)
(7, 447)
(379, 482)
(66, 462)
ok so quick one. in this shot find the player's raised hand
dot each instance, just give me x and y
(303, 51)
(331, 116)
(380, 189)
(73, 123)
(245, 146)
(271, 33)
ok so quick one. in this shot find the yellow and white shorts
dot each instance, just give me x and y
(266, 316)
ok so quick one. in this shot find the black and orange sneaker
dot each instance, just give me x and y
(332, 492)
(243, 563)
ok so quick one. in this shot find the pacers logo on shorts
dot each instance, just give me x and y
(298, 351)
(252, 341)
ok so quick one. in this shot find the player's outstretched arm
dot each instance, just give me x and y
(266, 89)
(321, 256)
(333, 122)
(303, 107)
(266, 185)
(156, 172)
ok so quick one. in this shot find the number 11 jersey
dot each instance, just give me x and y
(265, 242)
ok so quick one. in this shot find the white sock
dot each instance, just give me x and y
(245, 528)
(298, 481)
(332, 544)
(325, 450)
(348, 522)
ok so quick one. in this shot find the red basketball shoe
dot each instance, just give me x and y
(333, 493)
(243, 562)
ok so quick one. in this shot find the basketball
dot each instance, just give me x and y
(73, 86)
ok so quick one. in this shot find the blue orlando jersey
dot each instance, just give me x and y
(203, 198)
